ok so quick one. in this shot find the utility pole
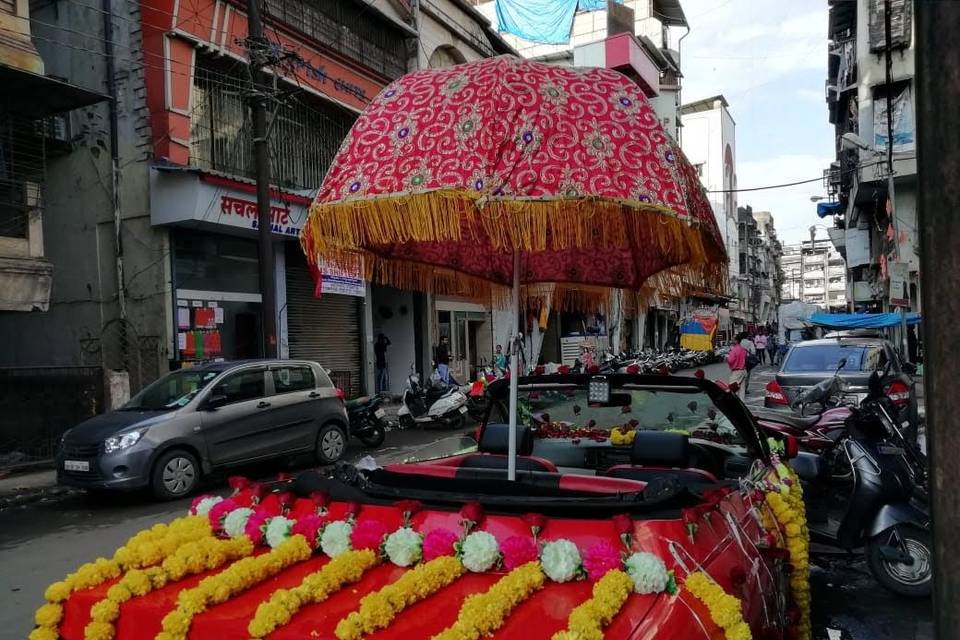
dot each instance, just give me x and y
(256, 51)
(938, 165)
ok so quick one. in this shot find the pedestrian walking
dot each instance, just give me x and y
(737, 361)
(747, 343)
(761, 344)
(380, 363)
(772, 348)
(500, 360)
(441, 356)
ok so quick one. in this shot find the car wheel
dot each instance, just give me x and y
(175, 475)
(331, 443)
(913, 579)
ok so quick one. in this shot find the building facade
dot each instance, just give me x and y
(875, 216)
(814, 272)
(153, 242)
(770, 279)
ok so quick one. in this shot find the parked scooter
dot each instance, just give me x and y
(367, 420)
(435, 404)
(860, 494)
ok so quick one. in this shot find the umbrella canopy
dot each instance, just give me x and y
(449, 172)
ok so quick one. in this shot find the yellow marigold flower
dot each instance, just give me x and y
(105, 611)
(57, 592)
(44, 633)
(137, 582)
(99, 631)
(49, 615)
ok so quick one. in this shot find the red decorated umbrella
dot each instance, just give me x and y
(506, 176)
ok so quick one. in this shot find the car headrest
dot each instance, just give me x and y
(494, 439)
(660, 448)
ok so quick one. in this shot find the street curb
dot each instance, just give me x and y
(30, 496)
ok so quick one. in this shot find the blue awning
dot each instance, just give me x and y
(543, 21)
(825, 209)
(861, 320)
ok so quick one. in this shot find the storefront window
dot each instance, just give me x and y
(214, 262)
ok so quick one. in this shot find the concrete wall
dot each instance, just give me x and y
(81, 326)
(444, 26)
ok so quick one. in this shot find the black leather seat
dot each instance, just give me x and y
(660, 454)
(493, 448)
(798, 422)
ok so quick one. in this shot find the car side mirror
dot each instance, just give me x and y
(214, 401)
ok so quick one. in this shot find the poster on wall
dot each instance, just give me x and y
(858, 247)
(899, 284)
(903, 138)
(339, 281)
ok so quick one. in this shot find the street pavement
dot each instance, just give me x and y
(42, 541)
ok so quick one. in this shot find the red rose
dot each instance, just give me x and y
(472, 514)
(271, 505)
(286, 499)
(302, 507)
(352, 508)
(238, 483)
(623, 524)
(409, 508)
(536, 522)
(320, 498)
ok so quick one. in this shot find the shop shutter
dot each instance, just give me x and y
(326, 329)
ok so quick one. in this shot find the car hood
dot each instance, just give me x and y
(794, 384)
(107, 424)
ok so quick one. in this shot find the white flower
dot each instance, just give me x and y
(204, 506)
(335, 538)
(404, 547)
(236, 521)
(648, 572)
(479, 552)
(278, 530)
(560, 560)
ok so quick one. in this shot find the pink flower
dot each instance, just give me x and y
(438, 542)
(309, 526)
(368, 534)
(518, 550)
(601, 558)
(218, 512)
(256, 524)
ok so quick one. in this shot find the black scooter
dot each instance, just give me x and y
(859, 494)
(367, 420)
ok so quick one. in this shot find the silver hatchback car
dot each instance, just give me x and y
(194, 421)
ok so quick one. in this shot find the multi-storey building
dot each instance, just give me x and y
(814, 273)
(150, 216)
(771, 276)
(875, 213)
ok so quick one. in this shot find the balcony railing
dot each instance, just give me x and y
(303, 140)
(348, 28)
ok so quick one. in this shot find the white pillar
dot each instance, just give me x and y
(514, 369)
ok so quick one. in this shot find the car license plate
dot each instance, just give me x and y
(380, 413)
(463, 409)
(76, 465)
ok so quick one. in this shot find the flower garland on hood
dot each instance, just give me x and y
(190, 559)
(587, 620)
(147, 548)
(785, 498)
(236, 578)
(725, 609)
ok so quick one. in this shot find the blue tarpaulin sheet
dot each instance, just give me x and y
(543, 21)
(861, 320)
(825, 209)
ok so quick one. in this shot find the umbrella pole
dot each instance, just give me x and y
(514, 373)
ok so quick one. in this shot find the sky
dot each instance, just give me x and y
(769, 59)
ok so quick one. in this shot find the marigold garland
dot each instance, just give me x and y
(786, 502)
(146, 548)
(484, 613)
(238, 577)
(190, 559)
(378, 609)
(587, 620)
(725, 609)
(345, 569)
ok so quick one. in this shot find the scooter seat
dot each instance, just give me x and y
(357, 403)
(798, 422)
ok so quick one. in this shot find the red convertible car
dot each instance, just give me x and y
(644, 507)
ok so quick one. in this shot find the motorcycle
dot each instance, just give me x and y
(860, 493)
(819, 432)
(435, 404)
(367, 420)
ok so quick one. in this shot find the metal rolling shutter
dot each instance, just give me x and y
(326, 330)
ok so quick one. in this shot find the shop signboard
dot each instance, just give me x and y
(340, 281)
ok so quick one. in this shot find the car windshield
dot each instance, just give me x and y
(558, 412)
(826, 357)
(172, 391)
